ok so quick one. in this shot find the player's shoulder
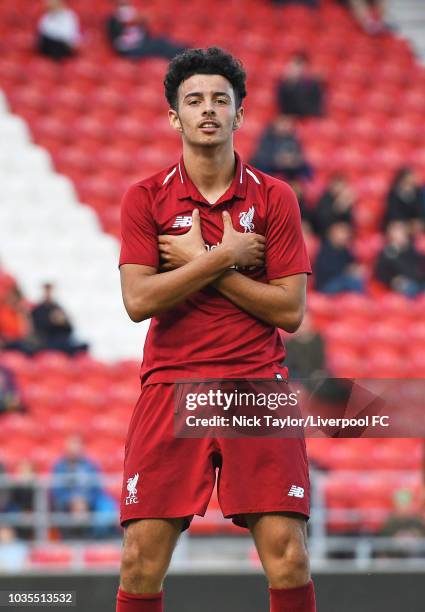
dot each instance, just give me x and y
(156, 183)
(271, 187)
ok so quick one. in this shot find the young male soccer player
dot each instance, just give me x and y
(227, 240)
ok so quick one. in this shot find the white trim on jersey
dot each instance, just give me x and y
(256, 179)
(169, 175)
(181, 175)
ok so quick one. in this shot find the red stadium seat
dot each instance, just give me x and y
(51, 556)
(102, 555)
(385, 334)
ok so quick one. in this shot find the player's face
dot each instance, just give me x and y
(206, 113)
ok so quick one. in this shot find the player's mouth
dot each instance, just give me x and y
(209, 127)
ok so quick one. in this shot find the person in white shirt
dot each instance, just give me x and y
(59, 34)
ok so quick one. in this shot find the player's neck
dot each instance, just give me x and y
(210, 170)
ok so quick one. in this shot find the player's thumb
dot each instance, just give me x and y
(227, 221)
(196, 221)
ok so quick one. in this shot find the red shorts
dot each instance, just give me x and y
(169, 477)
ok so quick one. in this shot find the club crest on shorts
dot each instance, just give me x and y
(245, 219)
(132, 491)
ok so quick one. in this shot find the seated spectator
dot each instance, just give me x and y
(406, 201)
(305, 352)
(300, 93)
(405, 526)
(7, 283)
(129, 35)
(335, 268)
(59, 33)
(280, 152)
(23, 493)
(305, 208)
(399, 265)
(7, 504)
(369, 14)
(52, 325)
(16, 331)
(334, 206)
(10, 397)
(78, 492)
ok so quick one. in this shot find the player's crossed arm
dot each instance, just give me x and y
(188, 268)
(280, 303)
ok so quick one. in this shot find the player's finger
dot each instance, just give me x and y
(163, 239)
(227, 220)
(196, 222)
(259, 250)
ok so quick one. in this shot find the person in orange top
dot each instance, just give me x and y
(15, 322)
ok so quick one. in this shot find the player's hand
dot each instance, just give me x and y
(176, 251)
(248, 248)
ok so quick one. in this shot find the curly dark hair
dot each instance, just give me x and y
(212, 60)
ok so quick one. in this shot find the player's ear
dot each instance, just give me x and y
(238, 120)
(174, 120)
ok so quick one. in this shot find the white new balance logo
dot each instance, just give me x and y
(295, 491)
(183, 222)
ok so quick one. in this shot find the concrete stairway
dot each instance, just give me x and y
(409, 18)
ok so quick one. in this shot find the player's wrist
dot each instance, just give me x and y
(198, 253)
(228, 254)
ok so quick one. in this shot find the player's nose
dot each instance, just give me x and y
(208, 108)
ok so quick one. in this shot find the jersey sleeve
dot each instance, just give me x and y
(286, 252)
(139, 243)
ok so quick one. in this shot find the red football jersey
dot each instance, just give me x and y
(207, 336)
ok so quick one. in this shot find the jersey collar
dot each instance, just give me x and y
(187, 189)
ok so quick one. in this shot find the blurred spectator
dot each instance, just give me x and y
(59, 33)
(334, 206)
(404, 526)
(10, 397)
(399, 265)
(306, 211)
(81, 493)
(52, 325)
(22, 494)
(406, 201)
(370, 14)
(7, 282)
(81, 476)
(335, 268)
(129, 35)
(13, 553)
(299, 92)
(280, 152)
(305, 352)
(105, 522)
(7, 504)
(16, 330)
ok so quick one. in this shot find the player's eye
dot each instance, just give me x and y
(222, 100)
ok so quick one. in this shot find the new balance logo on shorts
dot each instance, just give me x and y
(295, 491)
(183, 221)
